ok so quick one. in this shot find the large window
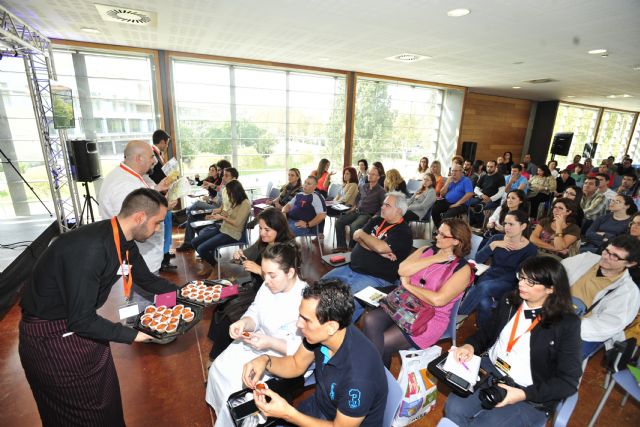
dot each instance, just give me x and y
(396, 123)
(262, 120)
(613, 135)
(634, 147)
(582, 122)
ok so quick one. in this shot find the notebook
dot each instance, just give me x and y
(469, 372)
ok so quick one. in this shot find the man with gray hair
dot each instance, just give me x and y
(381, 245)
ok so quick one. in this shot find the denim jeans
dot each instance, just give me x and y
(298, 231)
(357, 282)
(168, 232)
(209, 240)
(482, 296)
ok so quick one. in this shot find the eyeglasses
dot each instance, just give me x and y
(570, 193)
(634, 223)
(617, 202)
(529, 282)
(613, 256)
(439, 234)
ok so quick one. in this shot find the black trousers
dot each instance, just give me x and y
(442, 209)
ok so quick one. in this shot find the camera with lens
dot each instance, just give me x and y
(491, 393)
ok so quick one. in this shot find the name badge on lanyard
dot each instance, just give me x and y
(129, 309)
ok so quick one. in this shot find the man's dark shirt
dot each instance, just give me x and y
(490, 184)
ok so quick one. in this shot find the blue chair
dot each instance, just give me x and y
(450, 332)
(413, 185)
(242, 243)
(394, 398)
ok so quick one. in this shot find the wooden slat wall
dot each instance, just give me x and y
(496, 123)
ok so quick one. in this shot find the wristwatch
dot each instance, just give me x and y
(308, 226)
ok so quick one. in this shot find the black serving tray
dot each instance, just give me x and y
(183, 326)
(207, 282)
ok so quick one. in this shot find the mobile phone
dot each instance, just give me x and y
(460, 382)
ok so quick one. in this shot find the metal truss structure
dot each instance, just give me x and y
(18, 39)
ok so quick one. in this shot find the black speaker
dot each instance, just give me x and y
(469, 150)
(561, 143)
(85, 160)
(589, 150)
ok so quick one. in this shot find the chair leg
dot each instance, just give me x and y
(624, 399)
(604, 399)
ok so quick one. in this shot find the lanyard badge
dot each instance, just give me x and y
(125, 268)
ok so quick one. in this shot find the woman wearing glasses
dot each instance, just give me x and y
(534, 339)
(453, 242)
(507, 251)
(557, 234)
(606, 227)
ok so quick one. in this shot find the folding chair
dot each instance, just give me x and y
(242, 243)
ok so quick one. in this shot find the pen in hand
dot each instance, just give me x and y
(465, 365)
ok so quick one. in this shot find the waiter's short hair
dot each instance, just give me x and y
(335, 301)
(143, 199)
(159, 136)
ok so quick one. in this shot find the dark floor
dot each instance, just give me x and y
(164, 385)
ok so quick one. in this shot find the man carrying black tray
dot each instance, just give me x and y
(64, 343)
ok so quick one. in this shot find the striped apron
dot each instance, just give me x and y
(73, 379)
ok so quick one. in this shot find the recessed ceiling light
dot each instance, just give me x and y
(516, 87)
(570, 96)
(456, 13)
(612, 96)
(407, 57)
(91, 30)
(626, 95)
(636, 67)
(597, 51)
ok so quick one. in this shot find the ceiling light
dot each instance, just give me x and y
(612, 96)
(456, 13)
(597, 51)
(626, 95)
(570, 96)
(91, 30)
(636, 67)
(516, 87)
(407, 57)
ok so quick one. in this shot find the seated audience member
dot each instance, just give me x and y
(383, 176)
(394, 182)
(457, 159)
(592, 203)
(542, 360)
(287, 191)
(628, 185)
(604, 189)
(323, 176)
(436, 170)
(524, 172)
(381, 245)
(488, 193)
(553, 168)
(211, 183)
(578, 175)
(469, 172)
(529, 166)
(351, 384)
(563, 182)
(542, 186)
(516, 181)
(479, 167)
(634, 231)
(626, 167)
(348, 193)
(267, 327)
(557, 234)
(516, 201)
(604, 293)
(603, 169)
(306, 209)
(588, 166)
(457, 192)
(607, 226)
(234, 220)
(502, 170)
(273, 228)
(368, 203)
(438, 276)
(423, 199)
(423, 167)
(507, 251)
(576, 162)
(363, 167)
(507, 162)
(574, 193)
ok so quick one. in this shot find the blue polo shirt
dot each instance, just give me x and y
(515, 185)
(353, 381)
(456, 190)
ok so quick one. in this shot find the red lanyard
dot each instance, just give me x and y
(382, 231)
(134, 173)
(513, 339)
(126, 278)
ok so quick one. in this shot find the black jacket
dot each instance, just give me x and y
(556, 354)
(157, 175)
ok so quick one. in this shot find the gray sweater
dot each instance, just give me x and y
(419, 204)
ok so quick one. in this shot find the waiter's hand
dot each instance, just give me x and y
(141, 337)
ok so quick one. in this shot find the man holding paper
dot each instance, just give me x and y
(64, 343)
(533, 343)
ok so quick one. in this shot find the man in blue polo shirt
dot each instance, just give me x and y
(306, 210)
(457, 192)
(351, 384)
(515, 181)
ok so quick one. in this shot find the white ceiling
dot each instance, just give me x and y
(481, 50)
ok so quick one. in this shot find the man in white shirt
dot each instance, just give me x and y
(128, 176)
(603, 187)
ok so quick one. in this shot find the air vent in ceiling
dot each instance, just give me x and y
(407, 57)
(125, 15)
(539, 81)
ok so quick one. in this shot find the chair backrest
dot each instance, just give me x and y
(273, 192)
(475, 244)
(333, 191)
(269, 187)
(450, 332)
(413, 185)
(394, 397)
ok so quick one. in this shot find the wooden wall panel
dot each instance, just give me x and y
(496, 123)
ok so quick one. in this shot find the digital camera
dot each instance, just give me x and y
(491, 393)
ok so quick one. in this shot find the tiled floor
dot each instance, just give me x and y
(164, 385)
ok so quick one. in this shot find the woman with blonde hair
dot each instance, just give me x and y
(436, 170)
(394, 182)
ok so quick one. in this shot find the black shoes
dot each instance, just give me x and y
(166, 263)
(185, 247)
